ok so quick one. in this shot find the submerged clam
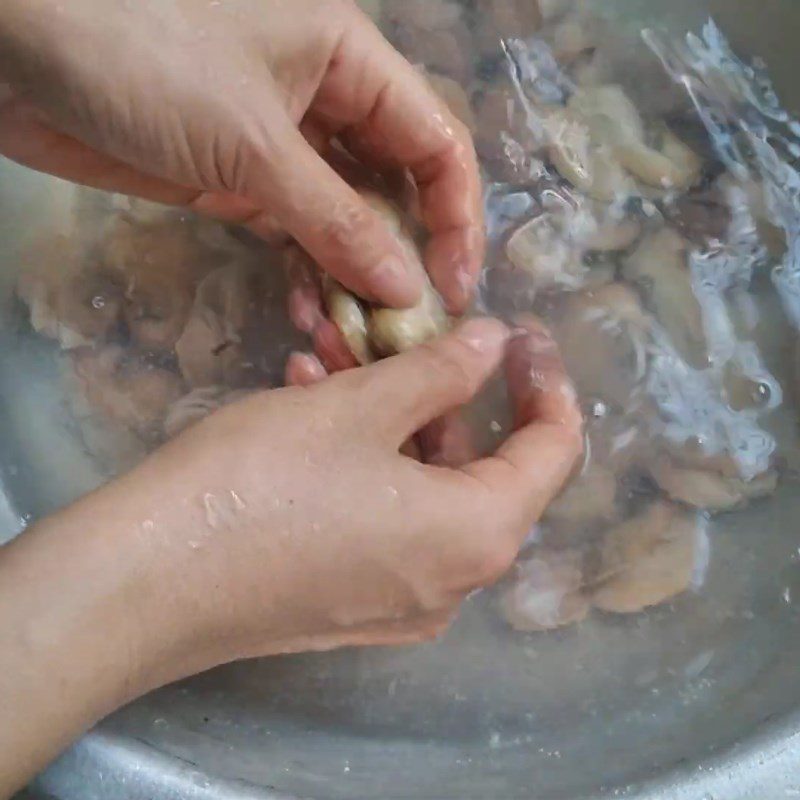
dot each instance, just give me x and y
(547, 592)
(128, 391)
(648, 559)
(210, 348)
(709, 489)
(159, 265)
(70, 298)
(659, 267)
(599, 142)
(388, 330)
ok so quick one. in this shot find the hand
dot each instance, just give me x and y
(214, 106)
(284, 523)
(313, 532)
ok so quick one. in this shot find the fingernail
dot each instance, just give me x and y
(483, 335)
(394, 281)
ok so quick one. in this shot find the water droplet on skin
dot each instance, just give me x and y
(495, 426)
(238, 503)
(211, 506)
(98, 302)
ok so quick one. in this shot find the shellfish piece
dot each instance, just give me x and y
(590, 497)
(347, 313)
(659, 267)
(70, 299)
(454, 97)
(130, 392)
(588, 165)
(504, 19)
(647, 560)
(601, 334)
(547, 592)
(670, 164)
(210, 349)
(394, 331)
(159, 265)
(709, 490)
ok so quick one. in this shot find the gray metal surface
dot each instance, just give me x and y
(696, 701)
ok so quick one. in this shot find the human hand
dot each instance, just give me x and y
(290, 521)
(283, 523)
(214, 106)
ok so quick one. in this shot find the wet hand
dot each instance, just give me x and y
(216, 106)
(291, 521)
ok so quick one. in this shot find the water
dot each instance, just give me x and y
(481, 687)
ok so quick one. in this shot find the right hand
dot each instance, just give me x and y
(290, 521)
(223, 106)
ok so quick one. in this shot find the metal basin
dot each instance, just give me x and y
(699, 699)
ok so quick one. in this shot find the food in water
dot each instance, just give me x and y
(454, 97)
(210, 350)
(502, 19)
(547, 591)
(159, 265)
(128, 390)
(659, 268)
(348, 314)
(389, 330)
(69, 301)
(602, 334)
(590, 497)
(613, 215)
(647, 560)
(709, 489)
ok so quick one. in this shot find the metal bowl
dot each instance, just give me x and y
(699, 699)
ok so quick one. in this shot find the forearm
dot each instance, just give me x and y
(79, 632)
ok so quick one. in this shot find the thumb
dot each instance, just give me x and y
(409, 390)
(327, 217)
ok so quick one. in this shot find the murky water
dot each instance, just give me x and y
(676, 307)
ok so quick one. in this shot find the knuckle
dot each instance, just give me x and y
(347, 225)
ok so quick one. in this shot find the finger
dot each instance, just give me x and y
(447, 441)
(304, 369)
(330, 346)
(529, 470)
(327, 217)
(393, 113)
(408, 391)
(307, 312)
